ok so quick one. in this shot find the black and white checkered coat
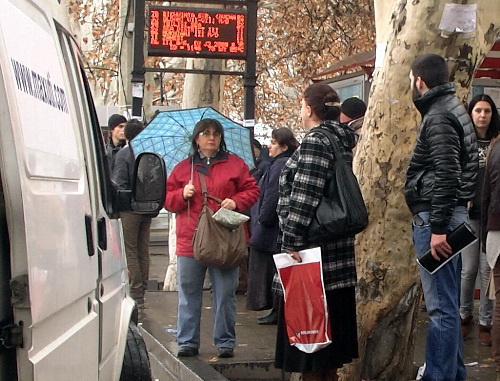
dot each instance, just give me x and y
(302, 184)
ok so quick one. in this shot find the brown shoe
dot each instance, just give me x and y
(467, 324)
(485, 335)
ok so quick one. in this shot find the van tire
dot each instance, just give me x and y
(135, 360)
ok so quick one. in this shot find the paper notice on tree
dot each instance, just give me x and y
(380, 54)
(458, 18)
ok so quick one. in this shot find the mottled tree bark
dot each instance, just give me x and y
(388, 292)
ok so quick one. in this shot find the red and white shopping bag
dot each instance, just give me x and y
(306, 311)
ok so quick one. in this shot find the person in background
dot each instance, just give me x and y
(227, 177)
(440, 182)
(116, 140)
(490, 236)
(353, 113)
(486, 122)
(262, 159)
(136, 227)
(302, 184)
(264, 228)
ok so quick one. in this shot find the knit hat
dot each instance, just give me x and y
(353, 107)
(115, 120)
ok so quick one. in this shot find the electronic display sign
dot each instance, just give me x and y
(197, 32)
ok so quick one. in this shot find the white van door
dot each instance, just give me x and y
(50, 213)
(114, 303)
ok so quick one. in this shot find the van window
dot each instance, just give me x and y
(88, 115)
(42, 99)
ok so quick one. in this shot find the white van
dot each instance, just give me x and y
(65, 307)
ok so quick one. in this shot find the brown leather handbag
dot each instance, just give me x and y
(213, 244)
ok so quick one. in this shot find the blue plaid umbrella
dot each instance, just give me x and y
(169, 135)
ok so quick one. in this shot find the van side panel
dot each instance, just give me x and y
(59, 251)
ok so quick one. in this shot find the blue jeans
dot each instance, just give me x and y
(444, 348)
(191, 274)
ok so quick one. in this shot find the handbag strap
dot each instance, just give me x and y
(336, 149)
(205, 191)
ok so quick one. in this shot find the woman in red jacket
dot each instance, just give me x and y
(227, 177)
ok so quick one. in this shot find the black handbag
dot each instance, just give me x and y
(342, 211)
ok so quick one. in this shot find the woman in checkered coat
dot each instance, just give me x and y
(302, 184)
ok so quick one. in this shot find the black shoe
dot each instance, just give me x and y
(265, 316)
(270, 319)
(225, 353)
(187, 352)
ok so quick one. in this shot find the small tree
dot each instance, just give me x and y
(388, 290)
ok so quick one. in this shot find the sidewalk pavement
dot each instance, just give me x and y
(254, 354)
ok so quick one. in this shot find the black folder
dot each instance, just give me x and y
(458, 239)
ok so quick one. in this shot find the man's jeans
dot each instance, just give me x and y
(444, 349)
(191, 274)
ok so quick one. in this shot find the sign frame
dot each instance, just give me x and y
(198, 44)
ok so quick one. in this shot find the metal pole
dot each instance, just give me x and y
(250, 77)
(138, 69)
(161, 89)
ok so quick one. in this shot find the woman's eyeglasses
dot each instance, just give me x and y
(215, 134)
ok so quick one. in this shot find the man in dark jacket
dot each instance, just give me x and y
(116, 141)
(136, 227)
(440, 182)
(353, 113)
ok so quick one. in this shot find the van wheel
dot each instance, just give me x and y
(135, 360)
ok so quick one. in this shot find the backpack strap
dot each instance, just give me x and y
(337, 154)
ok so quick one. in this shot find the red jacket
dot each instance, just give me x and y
(228, 177)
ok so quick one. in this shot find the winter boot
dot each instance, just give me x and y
(467, 324)
(485, 335)
(270, 319)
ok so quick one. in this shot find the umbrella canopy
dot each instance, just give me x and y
(169, 135)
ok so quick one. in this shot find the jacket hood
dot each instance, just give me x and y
(424, 102)
(346, 135)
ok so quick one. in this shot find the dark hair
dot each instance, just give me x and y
(132, 128)
(494, 127)
(284, 136)
(323, 100)
(432, 69)
(256, 144)
(201, 126)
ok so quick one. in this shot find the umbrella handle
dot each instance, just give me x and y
(189, 200)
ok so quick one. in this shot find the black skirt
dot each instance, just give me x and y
(261, 271)
(344, 346)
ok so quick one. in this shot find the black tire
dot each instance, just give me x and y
(135, 360)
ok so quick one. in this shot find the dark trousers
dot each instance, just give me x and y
(136, 229)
